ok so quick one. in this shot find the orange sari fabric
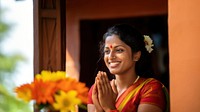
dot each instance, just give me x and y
(144, 91)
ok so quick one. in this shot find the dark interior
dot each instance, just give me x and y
(91, 32)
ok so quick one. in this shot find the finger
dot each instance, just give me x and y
(114, 87)
(94, 91)
(107, 82)
(98, 74)
(102, 82)
(99, 86)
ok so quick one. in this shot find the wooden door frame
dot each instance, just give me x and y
(49, 35)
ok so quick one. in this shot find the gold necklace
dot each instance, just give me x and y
(119, 93)
(136, 79)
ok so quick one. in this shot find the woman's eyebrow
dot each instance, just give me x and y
(115, 46)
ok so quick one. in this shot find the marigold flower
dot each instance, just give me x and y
(72, 84)
(66, 101)
(50, 76)
(82, 91)
(24, 92)
(55, 91)
(44, 91)
(66, 84)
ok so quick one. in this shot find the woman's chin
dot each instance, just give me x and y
(114, 71)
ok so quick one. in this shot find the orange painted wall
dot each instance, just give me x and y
(101, 9)
(184, 54)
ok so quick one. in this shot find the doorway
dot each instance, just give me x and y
(91, 33)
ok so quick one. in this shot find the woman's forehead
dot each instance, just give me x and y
(113, 40)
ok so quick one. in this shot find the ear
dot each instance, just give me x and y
(136, 56)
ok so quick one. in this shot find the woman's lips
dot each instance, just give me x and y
(114, 64)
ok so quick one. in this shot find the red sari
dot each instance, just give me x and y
(144, 91)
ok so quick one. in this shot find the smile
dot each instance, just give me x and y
(113, 64)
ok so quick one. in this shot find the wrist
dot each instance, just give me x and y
(112, 110)
(99, 110)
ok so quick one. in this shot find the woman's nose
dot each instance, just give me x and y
(112, 55)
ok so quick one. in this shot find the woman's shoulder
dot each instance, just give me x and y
(150, 81)
(151, 84)
(153, 93)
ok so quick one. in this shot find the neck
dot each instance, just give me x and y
(125, 81)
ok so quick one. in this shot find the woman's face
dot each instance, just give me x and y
(117, 55)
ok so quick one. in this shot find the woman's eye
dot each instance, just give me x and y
(106, 51)
(119, 50)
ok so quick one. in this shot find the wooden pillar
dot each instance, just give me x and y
(49, 35)
(184, 55)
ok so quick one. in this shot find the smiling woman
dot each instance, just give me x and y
(126, 55)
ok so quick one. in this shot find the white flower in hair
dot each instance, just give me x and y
(148, 43)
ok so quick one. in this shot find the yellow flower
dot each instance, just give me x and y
(72, 84)
(66, 101)
(24, 92)
(55, 90)
(51, 76)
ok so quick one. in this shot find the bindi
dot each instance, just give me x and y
(111, 46)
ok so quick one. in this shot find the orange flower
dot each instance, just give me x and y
(66, 84)
(54, 89)
(44, 91)
(82, 91)
(24, 92)
(72, 84)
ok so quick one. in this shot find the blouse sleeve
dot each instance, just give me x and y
(90, 96)
(152, 93)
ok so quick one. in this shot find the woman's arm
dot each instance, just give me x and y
(148, 108)
(152, 97)
(90, 108)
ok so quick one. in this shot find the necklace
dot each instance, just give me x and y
(136, 79)
(119, 93)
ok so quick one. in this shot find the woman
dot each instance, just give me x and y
(125, 53)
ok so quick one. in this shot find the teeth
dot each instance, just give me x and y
(113, 63)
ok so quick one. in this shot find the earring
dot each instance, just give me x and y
(135, 59)
(136, 56)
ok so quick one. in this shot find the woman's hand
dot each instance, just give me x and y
(107, 94)
(95, 98)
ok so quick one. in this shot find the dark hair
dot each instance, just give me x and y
(133, 38)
